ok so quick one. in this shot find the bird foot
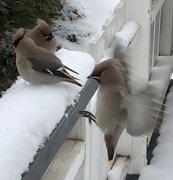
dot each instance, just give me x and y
(88, 115)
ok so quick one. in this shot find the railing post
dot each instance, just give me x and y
(97, 45)
(166, 34)
(139, 11)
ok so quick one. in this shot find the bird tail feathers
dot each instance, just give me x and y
(112, 140)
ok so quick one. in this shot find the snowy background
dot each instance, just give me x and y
(29, 113)
(82, 19)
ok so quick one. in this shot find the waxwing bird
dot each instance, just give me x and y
(38, 65)
(116, 108)
(42, 35)
(110, 113)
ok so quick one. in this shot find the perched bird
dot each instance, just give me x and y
(38, 65)
(42, 36)
(116, 108)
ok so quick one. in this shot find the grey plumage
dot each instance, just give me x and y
(42, 35)
(38, 65)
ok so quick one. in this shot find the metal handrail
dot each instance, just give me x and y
(44, 156)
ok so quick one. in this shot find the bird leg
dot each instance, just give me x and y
(88, 115)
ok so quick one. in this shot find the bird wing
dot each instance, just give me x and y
(39, 63)
(141, 114)
(52, 67)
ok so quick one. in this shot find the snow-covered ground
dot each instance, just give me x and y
(81, 20)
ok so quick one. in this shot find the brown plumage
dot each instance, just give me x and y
(110, 113)
(117, 108)
(38, 65)
(42, 35)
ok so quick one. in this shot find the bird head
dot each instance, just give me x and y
(18, 36)
(96, 77)
(44, 29)
(103, 71)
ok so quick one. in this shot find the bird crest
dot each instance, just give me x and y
(44, 28)
(18, 36)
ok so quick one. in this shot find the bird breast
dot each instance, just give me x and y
(109, 111)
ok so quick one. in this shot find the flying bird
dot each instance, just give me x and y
(110, 112)
(42, 35)
(38, 65)
(117, 108)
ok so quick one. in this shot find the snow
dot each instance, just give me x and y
(121, 41)
(162, 162)
(119, 167)
(29, 113)
(82, 18)
(159, 79)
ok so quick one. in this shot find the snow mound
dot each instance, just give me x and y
(29, 113)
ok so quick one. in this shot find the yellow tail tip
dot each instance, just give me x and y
(110, 161)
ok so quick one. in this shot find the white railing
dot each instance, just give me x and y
(149, 42)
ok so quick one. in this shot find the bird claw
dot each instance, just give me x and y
(88, 115)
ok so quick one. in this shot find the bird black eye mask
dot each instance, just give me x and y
(49, 38)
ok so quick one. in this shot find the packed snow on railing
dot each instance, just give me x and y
(121, 41)
(29, 113)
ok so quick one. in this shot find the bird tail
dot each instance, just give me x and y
(66, 76)
(73, 82)
(112, 140)
(71, 70)
(109, 146)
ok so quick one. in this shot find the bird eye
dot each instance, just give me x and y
(49, 38)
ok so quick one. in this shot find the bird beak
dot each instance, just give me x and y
(94, 77)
